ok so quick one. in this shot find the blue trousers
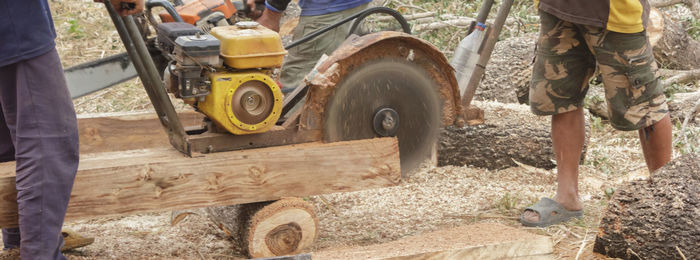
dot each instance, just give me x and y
(39, 130)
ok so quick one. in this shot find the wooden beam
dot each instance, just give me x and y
(476, 241)
(126, 131)
(135, 181)
(531, 249)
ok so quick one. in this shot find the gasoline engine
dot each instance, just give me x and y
(225, 74)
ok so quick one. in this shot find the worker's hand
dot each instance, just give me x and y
(270, 19)
(126, 7)
(253, 12)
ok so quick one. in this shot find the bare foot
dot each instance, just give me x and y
(572, 205)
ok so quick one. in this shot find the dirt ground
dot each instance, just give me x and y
(433, 198)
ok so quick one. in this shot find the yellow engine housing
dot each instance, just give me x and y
(248, 45)
(220, 105)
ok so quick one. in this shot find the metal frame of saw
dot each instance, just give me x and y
(199, 140)
(196, 140)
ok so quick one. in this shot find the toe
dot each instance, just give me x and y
(531, 216)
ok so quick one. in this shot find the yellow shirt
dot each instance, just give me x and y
(624, 16)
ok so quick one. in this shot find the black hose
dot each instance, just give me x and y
(384, 10)
(361, 15)
(168, 7)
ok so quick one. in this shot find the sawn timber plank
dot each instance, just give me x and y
(135, 181)
(476, 241)
(127, 131)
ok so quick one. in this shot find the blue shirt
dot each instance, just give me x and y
(26, 30)
(316, 7)
(321, 7)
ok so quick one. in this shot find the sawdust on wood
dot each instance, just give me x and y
(461, 237)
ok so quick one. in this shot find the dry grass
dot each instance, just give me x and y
(434, 198)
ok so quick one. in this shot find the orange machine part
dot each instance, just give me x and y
(193, 10)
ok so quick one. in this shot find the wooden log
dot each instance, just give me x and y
(655, 218)
(149, 180)
(674, 48)
(266, 229)
(509, 70)
(680, 76)
(683, 107)
(510, 132)
(693, 5)
(283, 227)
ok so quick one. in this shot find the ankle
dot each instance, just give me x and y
(569, 200)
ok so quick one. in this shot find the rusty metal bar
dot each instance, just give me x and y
(484, 11)
(141, 58)
(130, 49)
(485, 54)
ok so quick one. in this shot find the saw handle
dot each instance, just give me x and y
(168, 7)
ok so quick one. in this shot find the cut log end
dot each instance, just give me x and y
(283, 227)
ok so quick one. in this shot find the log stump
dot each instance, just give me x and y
(267, 229)
(657, 218)
(510, 132)
(673, 47)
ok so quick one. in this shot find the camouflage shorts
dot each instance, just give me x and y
(568, 55)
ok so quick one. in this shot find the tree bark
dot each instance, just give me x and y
(655, 218)
(693, 5)
(511, 132)
(673, 47)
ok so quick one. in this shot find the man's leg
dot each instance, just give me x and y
(301, 59)
(634, 94)
(39, 113)
(656, 143)
(562, 68)
(10, 236)
(568, 136)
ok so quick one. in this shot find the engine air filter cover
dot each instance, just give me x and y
(247, 46)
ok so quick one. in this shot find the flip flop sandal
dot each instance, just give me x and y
(545, 207)
(73, 240)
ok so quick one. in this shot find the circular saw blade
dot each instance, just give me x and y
(387, 83)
